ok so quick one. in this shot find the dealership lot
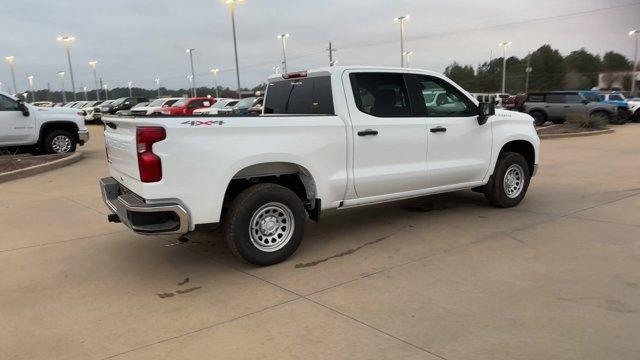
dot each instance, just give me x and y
(441, 277)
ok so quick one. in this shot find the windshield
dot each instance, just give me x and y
(245, 103)
(107, 102)
(591, 96)
(181, 102)
(119, 101)
(157, 102)
(221, 104)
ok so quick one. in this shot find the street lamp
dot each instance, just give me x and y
(106, 91)
(635, 62)
(64, 94)
(215, 80)
(283, 38)
(190, 80)
(193, 75)
(130, 91)
(66, 41)
(10, 60)
(504, 45)
(401, 20)
(232, 8)
(407, 57)
(158, 85)
(84, 90)
(95, 78)
(33, 94)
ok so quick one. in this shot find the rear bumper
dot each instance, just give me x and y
(141, 216)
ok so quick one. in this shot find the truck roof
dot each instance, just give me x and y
(329, 70)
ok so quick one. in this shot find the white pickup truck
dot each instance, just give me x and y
(47, 129)
(330, 138)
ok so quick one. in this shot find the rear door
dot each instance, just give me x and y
(389, 141)
(459, 149)
(120, 141)
(15, 128)
(555, 106)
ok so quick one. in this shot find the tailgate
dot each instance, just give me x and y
(120, 140)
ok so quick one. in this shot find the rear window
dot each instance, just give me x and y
(535, 98)
(306, 96)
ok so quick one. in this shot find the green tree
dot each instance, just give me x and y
(548, 69)
(586, 65)
(613, 61)
(462, 75)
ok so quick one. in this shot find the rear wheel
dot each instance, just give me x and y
(608, 117)
(59, 142)
(510, 180)
(265, 224)
(539, 118)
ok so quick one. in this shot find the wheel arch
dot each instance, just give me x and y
(49, 126)
(523, 147)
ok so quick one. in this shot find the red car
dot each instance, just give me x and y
(187, 105)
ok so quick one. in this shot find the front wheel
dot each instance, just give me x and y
(59, 142)
(539, 118)
(265, 224)
(509, 182)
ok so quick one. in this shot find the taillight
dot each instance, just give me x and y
(295, 75)
(149, 164)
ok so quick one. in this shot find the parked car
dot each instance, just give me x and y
(617, 100)
(155, 107)
(70, 104)
(47, 130)
(330, 138)
(555, 106)
(130, 111)
(43, 103)
(90, 113)
(633, 104)
(221, 104)
(186, 106)
(243, 107)
(124, 103)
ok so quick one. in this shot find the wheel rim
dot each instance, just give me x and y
(513, 181)
(271, 227)
(61, 144)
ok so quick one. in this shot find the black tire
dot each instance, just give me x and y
(52, 140)
(610, 118)
(271, 201)
(636, 116)
(539, 118)
(496, 193)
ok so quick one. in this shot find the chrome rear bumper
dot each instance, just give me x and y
(140, 216)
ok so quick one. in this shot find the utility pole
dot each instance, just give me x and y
(158, 85)
(635, 62)
(67, 40)
(504, 63)
(10, 60)
(283, 39)
(193, 75)
(401, 20)
(528, 71)
(232, 8)
(331, 50)
(95, 78)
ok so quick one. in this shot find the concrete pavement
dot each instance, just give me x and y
(443, 277)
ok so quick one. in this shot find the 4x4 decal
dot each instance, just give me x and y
(199, 122)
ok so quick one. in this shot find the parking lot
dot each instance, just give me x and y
(444, 277)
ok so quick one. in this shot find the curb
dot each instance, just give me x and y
(38, 169)
(579, 134)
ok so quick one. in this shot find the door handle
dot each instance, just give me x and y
(438, 129)
(368, 132)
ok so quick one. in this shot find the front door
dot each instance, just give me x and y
(459, 149)
(15, 128)
(390, 142)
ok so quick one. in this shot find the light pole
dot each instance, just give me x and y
(33, 94)
(407, 57)
(10, 60)
(193, 75)
(158, 85)
(635, 62)
(66, 41)
(106, 91)
(232, 7)
(130, 91)
(215, 80)
(401, 20)
(190, 80)
(95, 78)
(64, 94)
(504, 45)
(84, 90)
(527, 71)
(283, 38)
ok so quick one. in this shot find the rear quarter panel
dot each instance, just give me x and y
(201, 155)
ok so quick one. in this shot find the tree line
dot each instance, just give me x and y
(550, 70)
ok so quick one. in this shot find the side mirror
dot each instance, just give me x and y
(485, 109)
(23, 108)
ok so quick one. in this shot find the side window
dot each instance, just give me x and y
(615, 97)
(7, 104)
(535, 98)
(443, 99)
(381, 94)
(555, 98)
(304, 96)
(572, 99)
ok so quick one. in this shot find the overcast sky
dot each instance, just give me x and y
(143, 39)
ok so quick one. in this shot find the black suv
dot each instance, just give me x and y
(124, 103)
